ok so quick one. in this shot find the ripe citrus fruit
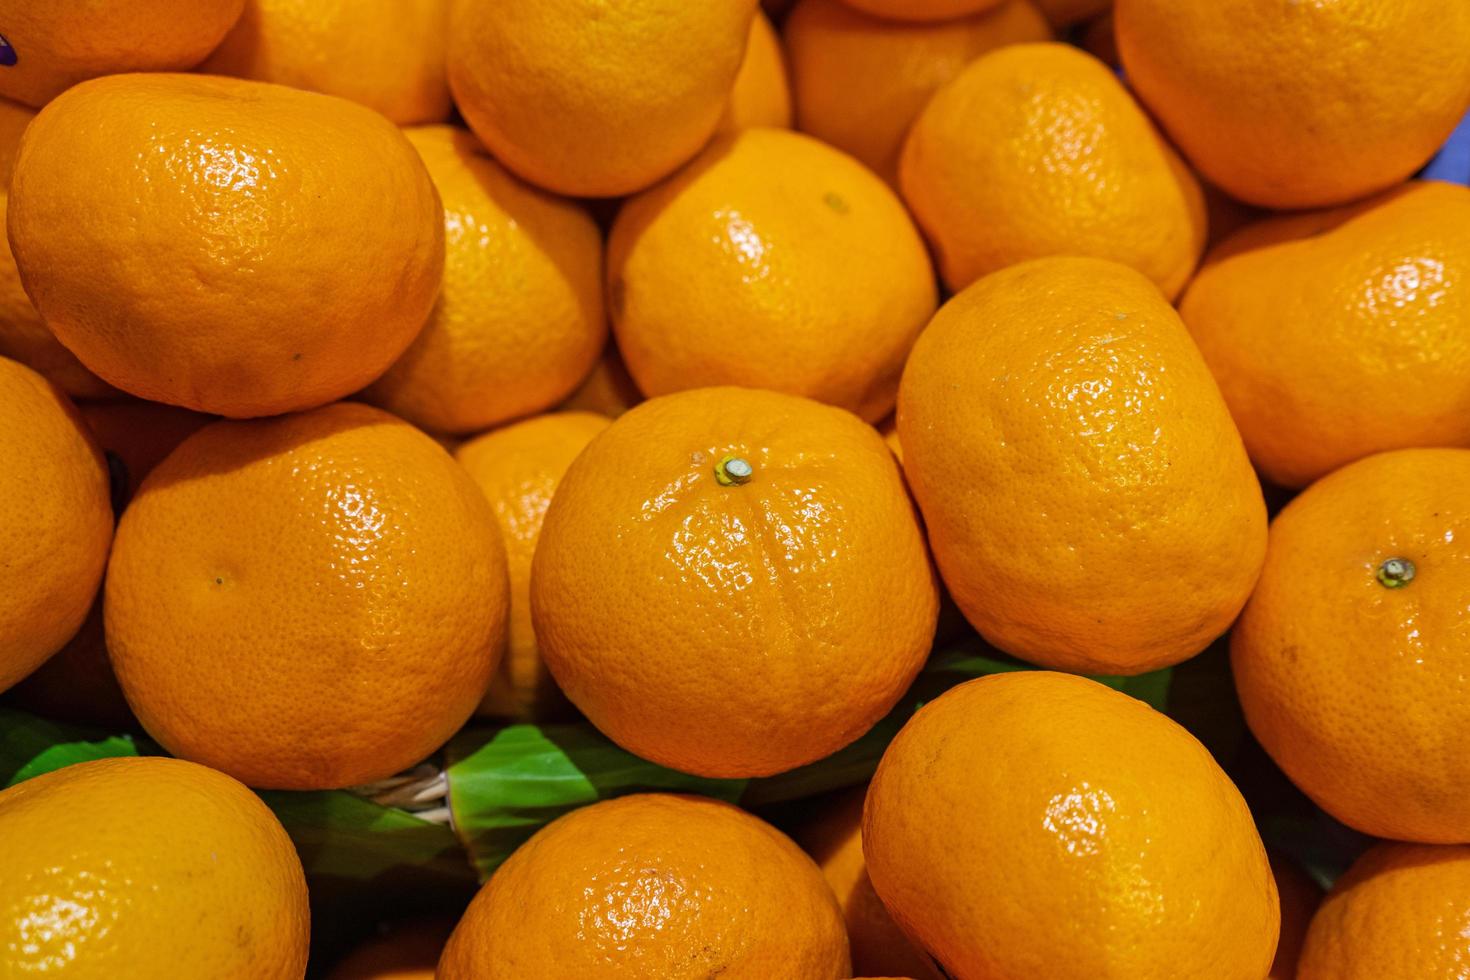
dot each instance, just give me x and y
(1038, 150)
(922, 9)
(408, 951)
(815, 285)
(731, 582)
(834, 840)
(49, 46)
(1400, 911)
(386, 54)
(519, 320)
(1292, 105)
(1342, 333)
(77, 684)
(1347, 659)
(597, 100)
(338, 625)
(518, 468)
(23, 335)
(251, 249)
(1019, 801)
(761, 95)
(859, 80)
(55, 520)
(141, 867)
(1087, 497)
(608, 390)
(652, 885)
(1300, 896)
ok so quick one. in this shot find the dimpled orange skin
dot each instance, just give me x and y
(519, 321)
(1022, 800)
(922, 9)
(814, 285)
(141, 867)
(1300, 896)
(338, 626)
(593, 99)
(1400, 911)
(77, 684)
(386, 54)
(251, 249)
(834, 840)
(761, 95)
(653, 887)
(859, 80)
(59, 43)
(1037, 150)
(1356, 689)
(1342, 333)
(407, 952)
(518, 468)
(1087, 497)
(1328, 101)
(23, 334)
(737, 630)
(55, 520)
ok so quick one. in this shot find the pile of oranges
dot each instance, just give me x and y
(371, 367)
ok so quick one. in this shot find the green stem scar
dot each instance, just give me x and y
(1395, 573)
(733, 471)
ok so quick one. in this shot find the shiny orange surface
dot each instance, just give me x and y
(1359, 690)
(307, 602)
(653, 887)
(134, 867)
(1087, 497)
(733, 630)
(249, 249)
(1017, 803)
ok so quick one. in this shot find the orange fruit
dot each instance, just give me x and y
(386, 54)
(922, 9)
(731, 582)
(608, 390)
(859, 81)
(761, 95)
(251, 249)
(1087, 497)
(23, 335)
(49, 47)
(1399, 911)
(1292, 105)
(1300, 897)
(55, 521)
(834, 840)
(1037, 150)
(652, 886)
(339, 626)
(408, 951)
(77, 684)
(1338, 334)
(815, 285)
(518, 468)
(1019, 801)
(519, 320)
(1065, 13)
(141, 867)
(594, 100)
(1347, 658)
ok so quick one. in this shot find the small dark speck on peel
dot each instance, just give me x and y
(8, 57)
(836, 202)
(296, 357)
